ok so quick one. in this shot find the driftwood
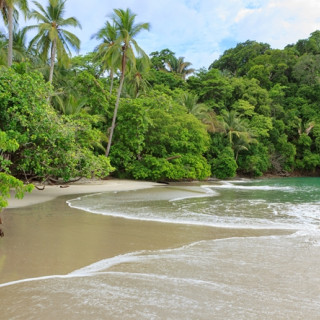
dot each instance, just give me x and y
(55, 181)
(40, 188)
(52, 181)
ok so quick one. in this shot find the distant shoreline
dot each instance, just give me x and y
(85, 186)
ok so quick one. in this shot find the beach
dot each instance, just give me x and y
(81, 187)
(49, 237)
(59, 261)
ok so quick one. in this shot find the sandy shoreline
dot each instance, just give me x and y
(149, 268)
(82, 187)
(44, 236)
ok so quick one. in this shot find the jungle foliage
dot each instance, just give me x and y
(255, 110)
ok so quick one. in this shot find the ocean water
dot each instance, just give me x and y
(257, 277)
(292, 203)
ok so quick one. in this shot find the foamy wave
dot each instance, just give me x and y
(107, 263)
(34, 279)
(310, 237)
(208, 193)
(232, 186)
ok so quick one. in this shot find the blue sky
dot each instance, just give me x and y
(200, 30)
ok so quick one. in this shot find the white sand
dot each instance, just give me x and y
(95, 186)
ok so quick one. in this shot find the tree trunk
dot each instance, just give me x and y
(10, 28)
(115, 115)
(111, 79)
(52, 58)
(123, 70)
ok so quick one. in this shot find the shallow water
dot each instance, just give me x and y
(225, 250)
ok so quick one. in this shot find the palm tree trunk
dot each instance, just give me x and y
(115, 115)
(111, 79)
(123, 70)
(10, 27)
(52, 58)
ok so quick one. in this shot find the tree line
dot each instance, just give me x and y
(118, 110)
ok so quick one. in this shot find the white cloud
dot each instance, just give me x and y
(200, 30)
(280, 22)
(244, 13)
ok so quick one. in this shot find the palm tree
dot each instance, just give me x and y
(233, 125)
(19, 44)
(212, 122)
(136, 82)
(190, 101)
(3, 49)
(7, 8)
(72, 105)
(239, 135)
(179, 66)
(124, 48)
(108, 34)
(52, 37)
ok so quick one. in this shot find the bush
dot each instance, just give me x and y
(224, 166)
(48, 145)
(156, 139)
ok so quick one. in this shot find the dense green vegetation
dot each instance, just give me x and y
(255, 110)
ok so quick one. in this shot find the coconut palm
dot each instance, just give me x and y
(125, 48)
(7, 8)
(52, 39)
(179, 66)
(108, 34)
(233, 125)
(238, 133)
(212, 122)
(72, 105)
(190, 101)
(3, 49)
(19, 49)
(19, 44)
(136, 82)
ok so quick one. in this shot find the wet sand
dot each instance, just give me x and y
(50, 238)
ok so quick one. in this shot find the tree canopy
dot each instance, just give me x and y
(255, 110)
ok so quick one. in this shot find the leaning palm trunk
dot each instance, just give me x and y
(115, 115)
(10, 27)
(111, 79)
(113, 125)
(53, 55)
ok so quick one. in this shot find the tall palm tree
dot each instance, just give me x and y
(136, 82)
(108, 34)
(52, 37)
(7, 8)
(19, 44)
(125, 47)
(179, 66)
(3, 49)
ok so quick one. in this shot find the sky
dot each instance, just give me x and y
(201, 30)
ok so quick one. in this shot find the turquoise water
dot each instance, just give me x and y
(258, 277)
(292, 203)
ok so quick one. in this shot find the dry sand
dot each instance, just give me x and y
(81, 187)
